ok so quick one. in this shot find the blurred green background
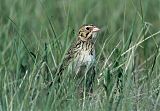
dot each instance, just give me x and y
(35, 34)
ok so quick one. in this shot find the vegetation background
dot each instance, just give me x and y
(35, 34)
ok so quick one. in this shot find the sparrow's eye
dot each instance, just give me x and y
(87, 28)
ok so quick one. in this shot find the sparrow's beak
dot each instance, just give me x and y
(96, 29)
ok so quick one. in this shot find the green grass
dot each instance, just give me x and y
(35, 34)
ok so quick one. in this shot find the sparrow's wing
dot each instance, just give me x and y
(72, 52)
(70, 55)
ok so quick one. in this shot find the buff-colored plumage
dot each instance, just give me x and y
(82, 51)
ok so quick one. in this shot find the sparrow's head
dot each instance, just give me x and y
(88, 32)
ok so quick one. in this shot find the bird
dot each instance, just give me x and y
(82, 54)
